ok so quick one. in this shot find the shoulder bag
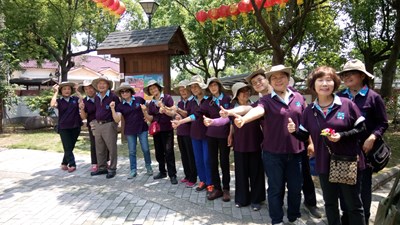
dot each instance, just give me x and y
(379, 155)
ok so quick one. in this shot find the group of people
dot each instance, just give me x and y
(275, 134)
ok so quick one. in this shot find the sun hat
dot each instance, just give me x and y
(357, 65)
(66, 83)
(150, 83)
(85, 83)
(197, 79)
(236, 87)
(182, 83)
(253, 74)
(124, 86)
(218, 81)
(97, 80)
(278, 68)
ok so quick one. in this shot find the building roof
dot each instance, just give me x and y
(95, 63)
(169, 39)
(231, 80)
(33, 81)
(46, 64)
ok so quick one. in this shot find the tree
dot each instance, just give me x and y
(47, 29)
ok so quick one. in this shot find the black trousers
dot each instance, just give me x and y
(310, 198)
(249, 178)
(164, 147)
(93, 156)
(68, 139)
(215, 146)
(187, 157)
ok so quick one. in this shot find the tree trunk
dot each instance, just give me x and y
(369, 66)
(278, 57)
(389, 70)
(1, 116)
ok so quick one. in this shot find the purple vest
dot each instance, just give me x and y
(133, 115)
(210, 109)
(163, 119)
(90, 109)
(68, 113)
(184, 129)
(103, 110)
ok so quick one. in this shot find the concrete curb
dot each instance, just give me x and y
(381, 178)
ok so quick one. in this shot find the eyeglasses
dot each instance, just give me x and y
(258, 81)
(125, 91)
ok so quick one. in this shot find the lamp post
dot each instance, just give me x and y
(149, 7)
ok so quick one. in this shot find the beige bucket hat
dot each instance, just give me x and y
(150, 83)
(85, 83)
(253, 74)
(215, 79)
(66, 83)
(237, 86)
(357, 65)
(124, 86)
(197, 79)
(97, 80)
(278, 68)
(182, 83)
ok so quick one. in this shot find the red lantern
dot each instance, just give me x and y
(245, 6)
(108, 3)
(121, 9)
(223, 11)
(259, 3)
(201, 16)
(213, 15)
(114, 6)
(268, 5)
(234, 11)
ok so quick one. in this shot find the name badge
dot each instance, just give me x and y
(298, 104)
(107, 106)
(226, 105)
(340, 115)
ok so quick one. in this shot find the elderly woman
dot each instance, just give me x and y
(343, 116)
(163, 140)
(69, 121)
(281, 151)
(357, 81)
(135, 126)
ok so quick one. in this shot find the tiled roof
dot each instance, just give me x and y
(138, 38)
(34, 64)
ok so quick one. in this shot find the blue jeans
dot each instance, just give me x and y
(132, 140)
(200, 150)
(281, 169)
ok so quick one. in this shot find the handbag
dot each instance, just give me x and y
(388, 212)
(379, 155)
(154, 128)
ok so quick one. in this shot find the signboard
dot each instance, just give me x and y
(138, 82)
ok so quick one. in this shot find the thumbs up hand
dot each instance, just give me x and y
(224, 113)
(239, 121)
(291, 126)
(207, 121)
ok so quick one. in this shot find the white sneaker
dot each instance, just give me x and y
(298, 222)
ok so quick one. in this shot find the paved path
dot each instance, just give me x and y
(33, 190)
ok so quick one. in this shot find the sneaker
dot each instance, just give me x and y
(190, 184)
(98, 172)
(297, 222)
(201, 186)
(313, 211)
(94, 168)
(111, 174)
(64, 167)
(174, 180)
(226, 196)
(71, 169)
(149, 170)
(255, 206)
(238, 205)
(160, 176)
(184, 180)
(215, 194)
(132, 174)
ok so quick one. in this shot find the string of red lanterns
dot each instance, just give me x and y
(243, 8)
(114, 7)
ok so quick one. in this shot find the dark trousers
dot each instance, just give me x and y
(93, 156)
(249, 178)
(187, 157)
(310, 198)
(68, 139)
(351, 198)
(164, 147)
(366, 197)
(215, 146)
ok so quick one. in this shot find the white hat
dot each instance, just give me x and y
(124, 86)
(96, 81)
(82, 86)
(150, 83)
(182, 83)
(357, 65)
(237, 86)
(255, 73)
(218, 81)
(278, 68)
(197, 79)
(66, 83)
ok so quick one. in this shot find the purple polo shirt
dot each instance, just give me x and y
(343, 115)
(163, 119)
(372, 109)
(184, 129)
(197, 128)
(133, 115)
(247, 138)
(277, 139)
(90, 109)
(210, 108)
(68, 113)
(103, 110)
